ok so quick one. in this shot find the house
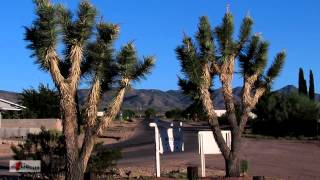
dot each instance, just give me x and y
(9, 106)
(17, 128)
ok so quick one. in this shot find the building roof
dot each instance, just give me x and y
(9, 106)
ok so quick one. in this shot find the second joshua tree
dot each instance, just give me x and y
(214, 53)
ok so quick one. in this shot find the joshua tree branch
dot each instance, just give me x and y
(75, 71)
(93, 101)
(52, 58)
(226, 77)
(110, 113)
(215, 68)
(207, 103)
(249, 98)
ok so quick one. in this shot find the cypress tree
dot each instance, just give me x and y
(302, 83)
(311, 86)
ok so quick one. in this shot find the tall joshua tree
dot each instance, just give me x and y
(88, 52)
(214, 53)
(311, 86)
(302, 83)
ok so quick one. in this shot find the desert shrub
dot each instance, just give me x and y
(49, 147)
(286, 115)
(244, 166)
(102, 160)
(174, 114)
(195, 112)
(150, 113)
(128, 114)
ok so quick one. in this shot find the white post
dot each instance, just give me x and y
(157, 139)
(203, 160)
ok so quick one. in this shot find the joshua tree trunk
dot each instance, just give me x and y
(232, 167)
(77, 161)
(232, 162)
(70, 132)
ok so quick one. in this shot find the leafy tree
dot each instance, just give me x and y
(87, 52)
(128, 114)
(214, 53)
(195, 112)
(311, 86)
(302, 83)
(150, 113)
(286, 115)
(174, 114)
(41, 103)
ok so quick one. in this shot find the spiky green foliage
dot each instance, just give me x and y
(205, 38)
(302, 83)
(245, 31)
(189, 60)
(188, 88)
(129, 64)
(43, 34)
(276, 67)
(311, 86)
(55, 22)
(77, 31)
(99, 58)
(224, 37)
(249, 49)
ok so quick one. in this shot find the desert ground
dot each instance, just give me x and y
(288, 159)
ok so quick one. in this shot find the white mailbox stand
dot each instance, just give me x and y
(208, 145)
(168, 138)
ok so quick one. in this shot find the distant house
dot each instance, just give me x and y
(222, 112)
(10, 128)
(9, 106)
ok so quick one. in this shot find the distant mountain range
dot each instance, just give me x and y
(141, 99)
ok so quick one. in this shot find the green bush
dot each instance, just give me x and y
(150, 113)
(174, 114)
(244, 166)
(128, 114)
(286, 115)
(49, 147)
(102, 160)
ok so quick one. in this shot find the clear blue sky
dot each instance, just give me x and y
(157, 27)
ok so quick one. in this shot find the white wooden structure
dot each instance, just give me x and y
(208, 145)
(168, 138)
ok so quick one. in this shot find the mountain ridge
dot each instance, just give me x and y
(141, 99)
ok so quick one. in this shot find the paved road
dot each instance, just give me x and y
(276, 158)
